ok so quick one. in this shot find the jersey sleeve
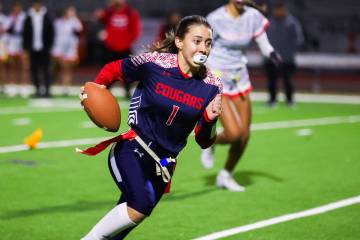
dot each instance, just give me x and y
(126, 70)
(78, 25)
(205, 130)
(211, 18)
(110, 73)
(260, 24)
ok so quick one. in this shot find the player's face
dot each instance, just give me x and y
(198, 40)
(70, 12)
(37, 6)
(17, 9)
(279, 12)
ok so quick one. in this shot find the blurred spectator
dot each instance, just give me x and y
(18, 60)
(66, 44)
(285, 34)
(171, 21)
(3, 51)
(38, 40)
(122, 28)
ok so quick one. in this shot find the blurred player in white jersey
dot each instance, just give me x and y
(235, 25)
(18, 60)
(65, 50)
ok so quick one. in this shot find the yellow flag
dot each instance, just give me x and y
(33, 140)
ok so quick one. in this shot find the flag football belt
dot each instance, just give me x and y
(160, 163)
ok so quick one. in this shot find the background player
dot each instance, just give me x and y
(175, 93)
(18, 59)
(235, 25)
(66, 44)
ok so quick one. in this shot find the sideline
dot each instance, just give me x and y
(281, 219)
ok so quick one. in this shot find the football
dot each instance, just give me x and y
(101, 106)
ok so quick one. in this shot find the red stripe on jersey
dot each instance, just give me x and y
(266, 24)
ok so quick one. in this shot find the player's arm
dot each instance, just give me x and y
(205, 131)
(267, 49)
(107, 75)
(125, 70)
(110, 73)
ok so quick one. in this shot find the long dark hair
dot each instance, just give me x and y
(261, 8)
(168, 44)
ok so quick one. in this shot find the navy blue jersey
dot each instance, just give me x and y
(167, 104)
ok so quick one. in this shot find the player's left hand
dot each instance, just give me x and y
(213, 110)
(276, 59)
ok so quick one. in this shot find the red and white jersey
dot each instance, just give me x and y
(232, 37)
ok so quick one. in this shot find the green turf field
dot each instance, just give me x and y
(55, 193)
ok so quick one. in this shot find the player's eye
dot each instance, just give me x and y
(208, 44)
(197, 41)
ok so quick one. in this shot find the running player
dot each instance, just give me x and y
(175, 94)
(235, 25)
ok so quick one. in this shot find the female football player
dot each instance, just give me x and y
(175, 94)
(235, 25)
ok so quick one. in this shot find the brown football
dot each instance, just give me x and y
(101, 107)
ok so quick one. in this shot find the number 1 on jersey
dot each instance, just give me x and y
(172, 115)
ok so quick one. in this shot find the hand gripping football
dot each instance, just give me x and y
(101, 106)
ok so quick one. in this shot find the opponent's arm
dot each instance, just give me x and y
(267, 49)
(110, 73)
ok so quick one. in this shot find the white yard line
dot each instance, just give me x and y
(305, 122)
(53, 144)
(255, 127)
(63, 105)
(23, 110)
(281, 219)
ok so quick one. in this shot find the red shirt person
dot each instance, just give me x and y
(122, 26)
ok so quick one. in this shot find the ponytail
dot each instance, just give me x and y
(166, 45)
(260, 8)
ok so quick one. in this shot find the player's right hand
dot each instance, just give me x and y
(82, 94)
